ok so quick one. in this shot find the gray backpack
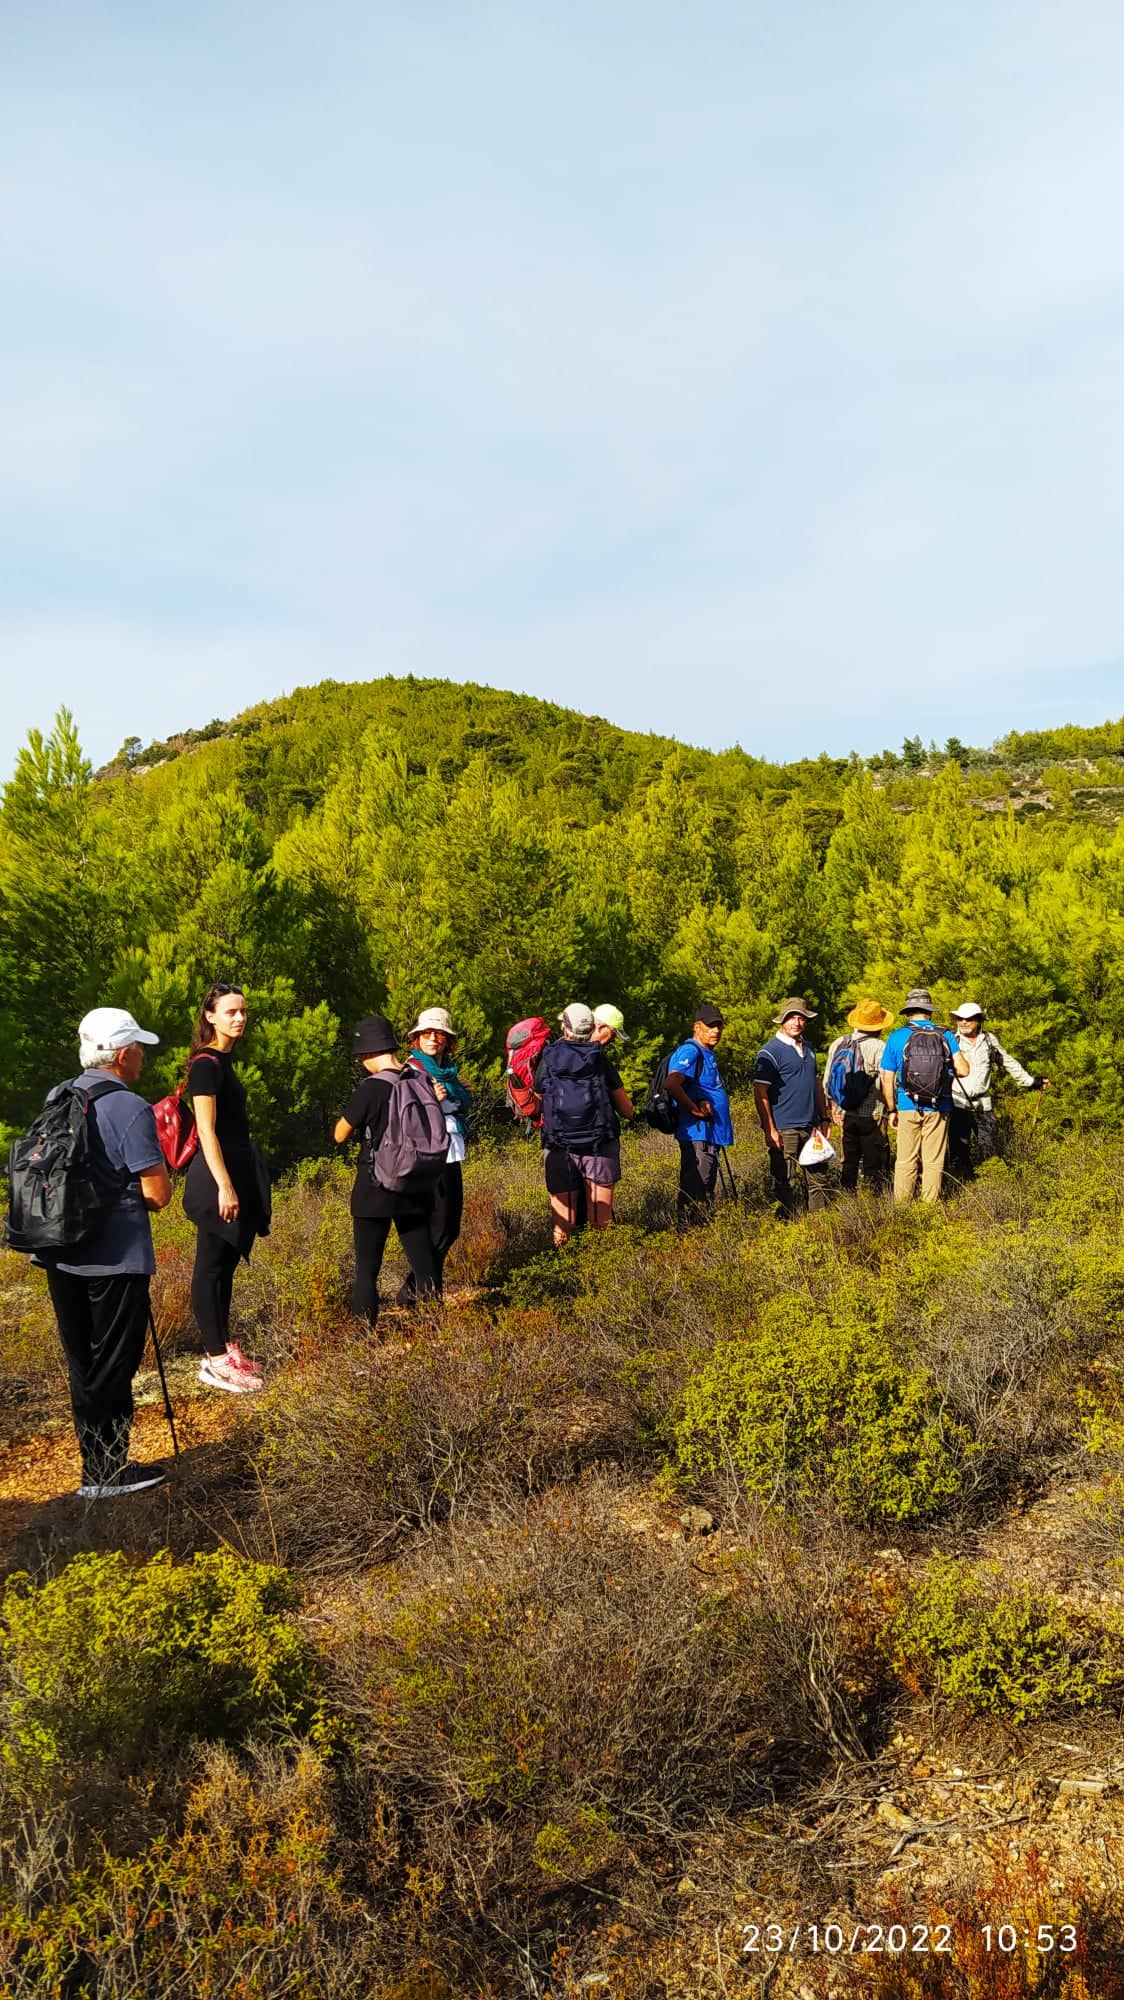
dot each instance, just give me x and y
(410, 1156)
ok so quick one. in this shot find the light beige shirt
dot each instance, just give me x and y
(983, 1052)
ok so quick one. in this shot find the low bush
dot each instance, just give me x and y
(110, 1663)
(353, 1458)
(248, 1899)
(1015, 1652)
(806, 1405)
(563, 1703)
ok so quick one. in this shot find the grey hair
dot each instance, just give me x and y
(91, 1055)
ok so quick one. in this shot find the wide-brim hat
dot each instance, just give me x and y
(433, 1021)
(918, 1000)
(968, 1010)
(793, 1005)
(870, 1017)
(374, 1037)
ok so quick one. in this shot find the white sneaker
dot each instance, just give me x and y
(129, 1479)
(218, 1372)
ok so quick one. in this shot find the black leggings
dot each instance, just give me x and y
(212, 1283)
(370, 1233)
(445, 1225)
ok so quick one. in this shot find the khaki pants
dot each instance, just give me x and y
(922, 1145)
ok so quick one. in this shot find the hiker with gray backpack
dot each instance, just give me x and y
(919, 1063)
(403, 1147)
(83, 1181)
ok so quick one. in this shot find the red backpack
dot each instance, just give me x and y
(175, 1126)
(523, 1045)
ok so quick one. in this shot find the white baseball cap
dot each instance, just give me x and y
(969, 1010)
(108, 1028)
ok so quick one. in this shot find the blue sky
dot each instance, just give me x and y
(747, 371)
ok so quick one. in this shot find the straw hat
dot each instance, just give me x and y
(869, 1017)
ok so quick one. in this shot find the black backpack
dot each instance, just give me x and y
(660, 1110)
(926, 1074)
(577, 1114)
(62, 1185)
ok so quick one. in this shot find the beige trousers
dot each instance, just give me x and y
(922, 1145)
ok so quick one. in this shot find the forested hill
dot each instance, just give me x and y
(404, 842)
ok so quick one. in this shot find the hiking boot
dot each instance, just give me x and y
(218, 1371)
(242, 1361)
(129, 1479)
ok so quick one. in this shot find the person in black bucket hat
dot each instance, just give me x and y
(374, 1208)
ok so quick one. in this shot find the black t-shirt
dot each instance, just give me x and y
(367, 1111)
(212, 1074)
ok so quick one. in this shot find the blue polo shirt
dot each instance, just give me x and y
(789, 1070)
(892, 1061)
(699, 1069)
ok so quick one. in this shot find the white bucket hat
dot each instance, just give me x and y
(435, 1020)
(969, 1010)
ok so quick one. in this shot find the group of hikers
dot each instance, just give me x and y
(99, 1159)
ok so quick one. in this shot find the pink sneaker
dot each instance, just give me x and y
(241, 1361)
(217, 1371)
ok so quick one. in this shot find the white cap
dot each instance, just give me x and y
(969, 1010)
(105, 1029)
(577, 1019)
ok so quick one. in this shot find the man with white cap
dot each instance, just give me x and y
(99, 1289)
(973, 1126)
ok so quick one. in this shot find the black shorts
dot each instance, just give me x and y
(567, 1172)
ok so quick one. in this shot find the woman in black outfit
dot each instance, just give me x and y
(226, 1193)
(374, 1208)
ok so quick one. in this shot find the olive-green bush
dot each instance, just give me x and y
(112, 1661)
(810, 1406)
(1016, 1652)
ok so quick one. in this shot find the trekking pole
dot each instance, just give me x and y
(163, 1384)
(730, 1184)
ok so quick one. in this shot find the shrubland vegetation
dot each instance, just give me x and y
(624, 1603)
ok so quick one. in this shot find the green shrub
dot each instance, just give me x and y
(111, 1660)
(1018, 1653)
(807, 1406)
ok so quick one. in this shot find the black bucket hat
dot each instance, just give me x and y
(374, 1037)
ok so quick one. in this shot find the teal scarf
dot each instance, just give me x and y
(459, 1096)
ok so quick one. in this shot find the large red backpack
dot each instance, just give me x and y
(523, 1045)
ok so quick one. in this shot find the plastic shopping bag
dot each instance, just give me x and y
(816, 1151)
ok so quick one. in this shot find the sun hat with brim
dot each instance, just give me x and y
(918, 1000)
(793, 1005)
(968, 1010)
(432, 1021)
(869, 1017)
(608, 1016)
(374, 1037)
(108, 1029)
